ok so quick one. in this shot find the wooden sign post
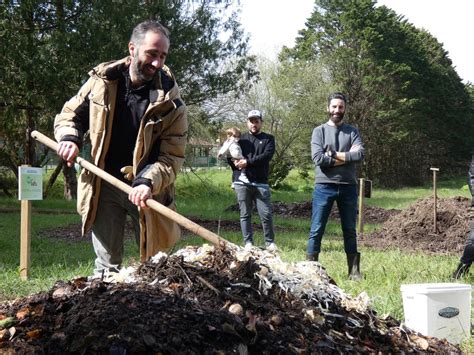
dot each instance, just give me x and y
(435, 198)
(25, 239)
(365, 190)
(30, 188)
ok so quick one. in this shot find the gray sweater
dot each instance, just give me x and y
(340, 139)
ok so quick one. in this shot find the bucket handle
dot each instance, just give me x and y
(448, 312)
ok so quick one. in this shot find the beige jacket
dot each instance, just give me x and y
(165, 120)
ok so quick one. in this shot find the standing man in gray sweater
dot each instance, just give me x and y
(336, 147)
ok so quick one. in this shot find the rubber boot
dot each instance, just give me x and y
(461, 270)
(312, 257)
(353, 264)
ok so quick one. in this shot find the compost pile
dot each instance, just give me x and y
(205, 300)
(413, 228)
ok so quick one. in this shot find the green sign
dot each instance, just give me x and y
(30, 183)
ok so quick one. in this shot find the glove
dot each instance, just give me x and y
(128, 171)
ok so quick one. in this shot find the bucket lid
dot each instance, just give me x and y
(435, 288)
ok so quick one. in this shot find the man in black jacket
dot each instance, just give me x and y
(467, 257)
(257, 149)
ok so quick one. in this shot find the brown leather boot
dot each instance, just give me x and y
(353, 263)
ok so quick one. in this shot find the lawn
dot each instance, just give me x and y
(207, 195)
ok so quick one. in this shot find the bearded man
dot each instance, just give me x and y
(336, 147)
(136, 123)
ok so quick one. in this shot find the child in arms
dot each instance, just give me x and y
(232, 149)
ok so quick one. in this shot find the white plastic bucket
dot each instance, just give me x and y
(442, 310)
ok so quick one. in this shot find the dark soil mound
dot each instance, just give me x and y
(73, 232)
(204, 303)
(413, 228)
(372, 214)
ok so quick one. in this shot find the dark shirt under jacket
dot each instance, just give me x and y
(130, 107)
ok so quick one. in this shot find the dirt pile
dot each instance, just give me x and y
(413, 228)
(205, 300)
(372, 214)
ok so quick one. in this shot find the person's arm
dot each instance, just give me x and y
(224, 149)
(163, 168)
(71, 124)
(68, 151)
(139, 194)
(320, 154)
(258, 159)
(355, 153)
(265, 156)
(156, 176)
(235, 151)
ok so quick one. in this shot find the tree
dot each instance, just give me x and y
(48, 48)
(404, 94)
(291, 95)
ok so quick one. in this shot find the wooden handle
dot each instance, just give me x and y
(155, 205)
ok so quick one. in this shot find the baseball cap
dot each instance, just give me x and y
(254, 113)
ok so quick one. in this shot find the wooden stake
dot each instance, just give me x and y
(25, 238)
(435, 198)
(360, 226)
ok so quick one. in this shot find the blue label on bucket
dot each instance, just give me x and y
(448, 312)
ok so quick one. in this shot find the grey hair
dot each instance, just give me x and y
(142, 28)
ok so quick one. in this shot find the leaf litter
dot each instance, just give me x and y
(206, 300)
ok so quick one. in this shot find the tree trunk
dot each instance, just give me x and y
(70, 182)
(30, 153)
(52, 178)
(5, 190)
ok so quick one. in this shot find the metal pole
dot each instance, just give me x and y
(435, 198)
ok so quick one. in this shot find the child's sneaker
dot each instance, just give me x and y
(271, 246)
(244, 178)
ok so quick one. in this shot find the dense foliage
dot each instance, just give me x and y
(49, 46)
(404, 95)
(291, 96)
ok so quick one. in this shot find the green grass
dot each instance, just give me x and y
(208, 196)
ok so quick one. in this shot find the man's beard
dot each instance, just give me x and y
(336, 118)
(138, 67)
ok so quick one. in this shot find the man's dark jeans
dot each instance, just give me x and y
(324, 196)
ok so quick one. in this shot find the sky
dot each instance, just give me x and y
(274, 23)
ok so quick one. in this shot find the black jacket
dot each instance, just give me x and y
(258, 150)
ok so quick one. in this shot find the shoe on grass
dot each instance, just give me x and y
(271, 246)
